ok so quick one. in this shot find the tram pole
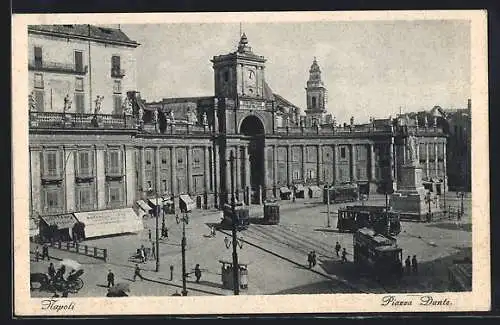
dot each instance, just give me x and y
(328, 206)
(236, 286)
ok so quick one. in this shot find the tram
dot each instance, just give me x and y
(341, 193)
(242, 216)
(377, 254)
(352, 218)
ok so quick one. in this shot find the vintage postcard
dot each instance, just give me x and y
(244, 163)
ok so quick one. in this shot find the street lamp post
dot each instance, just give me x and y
(184, 220)
(460, 195)
(236, 286)
(157, 253)
(328, 206)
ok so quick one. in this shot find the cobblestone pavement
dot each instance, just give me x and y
(276, 255)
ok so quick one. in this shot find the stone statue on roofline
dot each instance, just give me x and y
(352, 121)
(67, 103)
(98, 104)
(205, 119)
(32, 102)
(426, 123)
(127, 106)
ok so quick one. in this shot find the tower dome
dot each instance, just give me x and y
(243, 46)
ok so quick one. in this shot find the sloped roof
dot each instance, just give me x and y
(97, 33)
(281, 100)
(268, 92)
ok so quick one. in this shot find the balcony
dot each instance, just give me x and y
(114, 173)
(75, 121)
(57, 67)
(51, 176)
(117, 73)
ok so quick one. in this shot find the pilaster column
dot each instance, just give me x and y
(335, 164)
(319, 173)
(206, 167)
(247, 167)
(445, 174)
(100, 176)
(190, 169)
(69, 153)
(304, 155)
(275, 165)
(266, 171)
(173, 158)
(157, 171)
(35, 181)
(436, 160)
(353, 162)
(228, 174)
(392, 160)
(372, 162)
(289, 165)
(142, 169)
(237, 166)
(427, 173)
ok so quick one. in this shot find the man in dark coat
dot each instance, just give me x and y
(45, 252)
(111, 279)
(137, 272)
(52, 271)
(314, 258)
(344, 256)
(414, 264)
(408, 265)
(310, 259)
(337, 248)
(197, 273)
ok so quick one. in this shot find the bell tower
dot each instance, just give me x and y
(317, 95)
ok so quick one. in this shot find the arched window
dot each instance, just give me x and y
(313, 102)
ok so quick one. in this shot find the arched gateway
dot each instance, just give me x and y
(252, 128)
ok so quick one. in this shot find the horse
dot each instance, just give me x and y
(41, 278)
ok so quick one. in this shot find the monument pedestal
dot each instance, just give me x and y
(410, 198)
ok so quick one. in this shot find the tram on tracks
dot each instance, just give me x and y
(352, 218)
(241, 213)
(377, 254)
(341, 193)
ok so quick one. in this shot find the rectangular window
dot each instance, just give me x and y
(85, 163)
(148, 157)
(79, 84)
(342, 152)
(85, 198)
(38, 80)
(53, 200)
(115, 194)
(115, 63)
(79, 61)
(38, 56)
(117, 104)
(197, 158)
(114, 162)
(51, 163)
(164, 159)
(39, 100)
(164, 185)
(79, 102)
(117, 87)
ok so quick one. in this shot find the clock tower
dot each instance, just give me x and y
(240, 74)
(316, 94)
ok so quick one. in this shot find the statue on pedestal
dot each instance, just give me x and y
(205, 120)
(352, 120)
(435, 121)
(426, 123)
(411, 149)
(156, 119)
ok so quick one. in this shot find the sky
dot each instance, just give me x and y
(370, 68)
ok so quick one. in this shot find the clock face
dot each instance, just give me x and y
(251, 78)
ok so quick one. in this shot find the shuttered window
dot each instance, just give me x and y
(78, 61)
(38, 56)
(80, 102)
(39, 100)
(114, 163)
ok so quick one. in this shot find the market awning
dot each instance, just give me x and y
(152, 202)
(285, 190)
(186, 203)
(299, 188)
(110, 222)
(315, 191)
(62, 221)
(167, 200)
(34, 230)
(143, 205)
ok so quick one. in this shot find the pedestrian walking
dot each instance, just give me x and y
(153, 250)
(314, 258)
(137, 272)
(212, 231)
(414, 264)
(408, 265)
(141, 253)
(37, 253)
(149, 234)
(111, 279)
(45, 252)
(164, 232)
(337, 248)
(197, 273)
(171, 272)
(344, 256)
(52, 271)
(310, 259)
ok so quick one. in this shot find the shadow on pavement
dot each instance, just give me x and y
(452, 226)
(208, 284)
(180, 286)
(328, 230)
